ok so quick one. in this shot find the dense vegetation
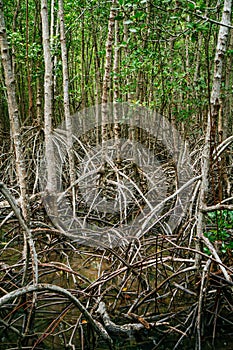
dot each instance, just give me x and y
(132, 99)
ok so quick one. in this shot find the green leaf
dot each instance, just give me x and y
(119, 18)
(138, 14)
(191, 5)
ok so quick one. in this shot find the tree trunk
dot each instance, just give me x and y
(13, 114)
(48, 82)
(29, 78)
(29, 248)
(106, 79)
(205, 161)
(68, 119)
(83, 92)
(108, 59)
(116, 92)
(214, 110)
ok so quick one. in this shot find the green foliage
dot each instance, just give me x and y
(159, 46)
(220, 230)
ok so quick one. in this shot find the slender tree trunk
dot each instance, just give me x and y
(108, 59)
(212, 117)
(226, 128)
(116, 92)
(116, 63)
(29, 248)
(214, 110)
(128, 94)
(106, 79)
(68, 118)
(2, 108)
(16, 13)
(48, 82)
(30, 93)
(98, 83)
(83, 92)
(54, 32)
(38, 99)
(13, 114)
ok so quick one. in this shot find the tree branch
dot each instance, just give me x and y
(43, 287)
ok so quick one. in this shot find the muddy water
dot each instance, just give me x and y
(51, 308)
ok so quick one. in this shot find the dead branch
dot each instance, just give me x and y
(216, 207)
